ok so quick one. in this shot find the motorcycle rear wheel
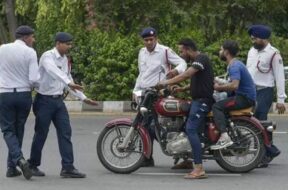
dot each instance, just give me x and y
(115, 159)
(242, 160)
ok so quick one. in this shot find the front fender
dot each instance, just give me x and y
(257, 124)
(143, 133)
(121, 121)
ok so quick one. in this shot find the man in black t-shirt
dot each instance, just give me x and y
(201, 86)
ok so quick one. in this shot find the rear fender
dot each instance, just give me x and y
(257, 124)
(143, 133)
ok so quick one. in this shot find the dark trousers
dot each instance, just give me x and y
(197, 115)
(150, 123)
(47, 109)
(220, 109)
(14, 110)
(264, 102)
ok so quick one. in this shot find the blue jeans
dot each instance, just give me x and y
(197, 115)
(14, 110)
(47, 109)
(264, 102)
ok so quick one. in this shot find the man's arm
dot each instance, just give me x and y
(235, 76)
(278, 71)
(177, 61)
(34, 74)
(179, 78)
(137, 83)
(231, 86)
(54, 71)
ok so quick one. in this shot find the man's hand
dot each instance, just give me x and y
(90, 102)
(176, 88)
(217, 86)
(161, 85)
(74, 86)
(172, 73)
(281, 108)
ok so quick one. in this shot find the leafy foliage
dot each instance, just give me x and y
(106, 32)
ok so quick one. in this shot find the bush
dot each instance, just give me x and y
(107, 64)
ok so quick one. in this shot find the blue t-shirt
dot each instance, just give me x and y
(238, 71)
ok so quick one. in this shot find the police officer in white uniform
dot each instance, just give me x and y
(49, 106)
(153, 60)
(265, 65)
(18, 74)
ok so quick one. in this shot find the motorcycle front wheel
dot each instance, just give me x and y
(247, 154)
(118, 160)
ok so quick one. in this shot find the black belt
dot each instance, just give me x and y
(51, 96)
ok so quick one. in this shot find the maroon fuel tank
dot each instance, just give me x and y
(172, 106)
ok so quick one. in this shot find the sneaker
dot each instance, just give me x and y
(223, 142)
(265, 162)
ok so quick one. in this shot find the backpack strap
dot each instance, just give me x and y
(270, 66)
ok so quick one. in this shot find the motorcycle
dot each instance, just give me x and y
(123, 144)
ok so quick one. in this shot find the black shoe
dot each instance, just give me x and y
(264, 162)
(148, 162)
(24, 165)
(73, 173)
(262, 165)
(36, 171)
(272, 152)
(13, 172)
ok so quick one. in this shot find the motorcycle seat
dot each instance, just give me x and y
(246, 111)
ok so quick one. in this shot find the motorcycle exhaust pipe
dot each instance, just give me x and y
(269, 125)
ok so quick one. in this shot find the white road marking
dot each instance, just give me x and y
(182, 174)
(280, 132)
(96, 133)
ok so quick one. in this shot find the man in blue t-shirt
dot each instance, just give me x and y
(240, 82)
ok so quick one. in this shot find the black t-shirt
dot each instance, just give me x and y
(201, 86)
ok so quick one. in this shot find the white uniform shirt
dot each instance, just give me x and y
(55, 75)
(18, 66)
(267, 79)
(150, 63)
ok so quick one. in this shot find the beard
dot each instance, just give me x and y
(223, 58)
(186, 58)
(258, 46)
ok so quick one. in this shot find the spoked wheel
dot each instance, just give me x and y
(246, 153)
(116, 159)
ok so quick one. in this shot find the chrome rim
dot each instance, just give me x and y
(249, 151)
(121, 158)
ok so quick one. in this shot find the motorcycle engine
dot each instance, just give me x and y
(171, 124)
(178, 143)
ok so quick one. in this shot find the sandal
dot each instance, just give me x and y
(192, 175)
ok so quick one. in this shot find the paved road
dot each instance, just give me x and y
(85, 131)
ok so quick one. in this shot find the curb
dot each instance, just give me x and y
(105, 106)
(120, 107)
